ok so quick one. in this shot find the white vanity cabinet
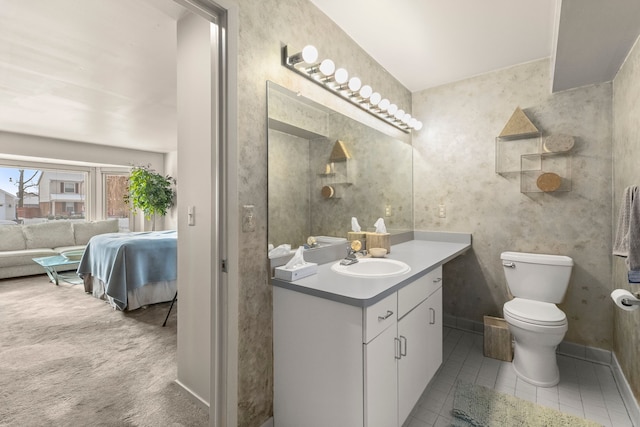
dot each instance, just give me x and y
(421, 356)
(342, 365)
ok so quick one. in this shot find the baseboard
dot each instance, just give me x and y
(578, 351)
(625, 391)
(462, 324)
(268, 423)
(194, 396)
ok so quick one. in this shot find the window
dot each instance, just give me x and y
(44, 193)
(115, 188)
(70, 187)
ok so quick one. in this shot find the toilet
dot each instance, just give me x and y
(537, 282)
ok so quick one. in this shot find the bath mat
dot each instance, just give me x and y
(475, 405)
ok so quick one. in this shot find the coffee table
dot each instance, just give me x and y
(50, 263)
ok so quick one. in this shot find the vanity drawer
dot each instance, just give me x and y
(419, 290)
(379, 317)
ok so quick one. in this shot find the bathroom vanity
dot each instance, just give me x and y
(352, 351)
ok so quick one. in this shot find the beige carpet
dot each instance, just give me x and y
(68, 359)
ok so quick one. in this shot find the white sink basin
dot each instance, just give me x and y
(372, 267)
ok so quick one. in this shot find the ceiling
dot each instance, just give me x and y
(103, 71)
(98, 71)
(427, 43)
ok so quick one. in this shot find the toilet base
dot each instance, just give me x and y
(537, 366)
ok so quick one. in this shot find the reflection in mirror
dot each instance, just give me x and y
(325, 168)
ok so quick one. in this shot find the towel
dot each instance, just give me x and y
(634, 276)
(627, 240)
(621, 243)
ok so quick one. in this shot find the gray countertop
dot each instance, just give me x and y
(425, 253)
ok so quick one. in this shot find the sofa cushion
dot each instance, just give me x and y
(61, 249)
(12, 238)
(86, 230)
(49, 234)
(24, 257)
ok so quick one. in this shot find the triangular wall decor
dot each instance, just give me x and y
(339, 152)
(519, 125)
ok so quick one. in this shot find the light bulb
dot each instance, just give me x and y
(354, 84)
(406, 119)
(412, 122)
(309, 54)
(399, 114)
(365, 91)
(375, 98)
(327, 67)
(341, 76)
(392, 109)
(384, 104)
(418, 125)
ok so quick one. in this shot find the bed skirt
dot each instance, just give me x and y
(151, 293)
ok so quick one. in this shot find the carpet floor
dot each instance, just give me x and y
(475, 405)
(68, 359)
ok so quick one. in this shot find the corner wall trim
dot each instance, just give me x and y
(268, 423)
(633, 409)
(193, 396)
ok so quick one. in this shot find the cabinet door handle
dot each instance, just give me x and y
(398, 348)
(433, 316)
(403, 353)
(386, 316)
(438, 279)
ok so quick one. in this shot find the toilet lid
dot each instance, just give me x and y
(537, 312)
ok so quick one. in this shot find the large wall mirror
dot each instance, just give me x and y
(316, 184)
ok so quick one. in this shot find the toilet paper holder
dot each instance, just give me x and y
(631, 302)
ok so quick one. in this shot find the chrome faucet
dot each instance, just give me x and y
(352, 252)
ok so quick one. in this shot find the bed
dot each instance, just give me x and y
(131, 270)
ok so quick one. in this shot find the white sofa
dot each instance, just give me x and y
(19, 244)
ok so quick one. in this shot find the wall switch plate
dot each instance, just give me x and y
(442, 211)
(387, 210)
(191, 215)
(248, 219)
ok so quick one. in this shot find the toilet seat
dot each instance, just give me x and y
(535, 312)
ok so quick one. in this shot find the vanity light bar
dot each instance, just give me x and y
(337, 80)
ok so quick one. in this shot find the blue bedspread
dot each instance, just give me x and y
(125, 261)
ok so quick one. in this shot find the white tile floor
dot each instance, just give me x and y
(586, 389)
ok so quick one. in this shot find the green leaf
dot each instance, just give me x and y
(150, 192)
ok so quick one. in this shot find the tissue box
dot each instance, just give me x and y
(379, 240)
(362, 236)
(297, 272)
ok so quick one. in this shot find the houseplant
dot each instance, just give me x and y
(150, 192)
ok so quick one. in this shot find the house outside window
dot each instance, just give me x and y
(70, 187)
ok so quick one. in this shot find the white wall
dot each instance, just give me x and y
(195, 188)
(171, 168)
(42, 148)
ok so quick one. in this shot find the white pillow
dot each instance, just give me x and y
(86, 230)
(11, 238)
(49, 234)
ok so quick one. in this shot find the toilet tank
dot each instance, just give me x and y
(538, 277)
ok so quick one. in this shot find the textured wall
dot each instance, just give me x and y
(378, 175)
(454, 165)
(263, 26)
(626, 158)
(289, 181)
